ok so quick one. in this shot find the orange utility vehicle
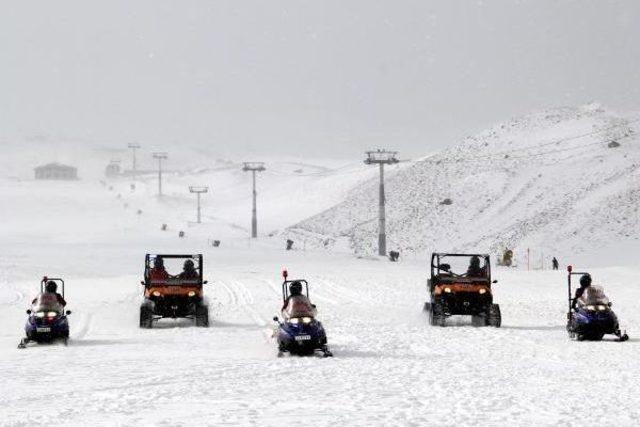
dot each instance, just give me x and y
(173, 295)
(460, 284)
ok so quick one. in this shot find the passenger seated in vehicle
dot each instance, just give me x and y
(585, 283)
(296, 304)
(593, 295)
(189, 271)
(50, 297)
(474, 269)
(158, 271)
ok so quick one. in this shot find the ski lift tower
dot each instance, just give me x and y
(134, 168)
(160, 156)
(381, 158)
(198, 191)
(254, 167)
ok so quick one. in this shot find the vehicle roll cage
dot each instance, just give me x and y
(436, 265)
(286, 283)
(45, 279)
(570, 274)
(173, 280)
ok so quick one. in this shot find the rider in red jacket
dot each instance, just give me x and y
(52, 288)
(296, 304)
(158, 271)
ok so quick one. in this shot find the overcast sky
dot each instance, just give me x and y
(322, 78)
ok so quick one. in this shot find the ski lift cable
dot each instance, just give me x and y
(501, 154)
(574, 137)
(331, 172)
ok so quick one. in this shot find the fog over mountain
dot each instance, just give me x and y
(321, 78)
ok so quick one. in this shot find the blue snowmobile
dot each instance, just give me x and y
(47, 321)
(299, 333)
(590, 316)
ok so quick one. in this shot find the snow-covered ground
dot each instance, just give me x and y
(390, 367)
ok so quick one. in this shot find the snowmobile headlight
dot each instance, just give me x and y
(40, 314)
(156, 294)
(591, 307)
(306, 320)
(602, 307)
(192, 294)
(52, 314)
(482, 291)
(447, 290)
(294, 320)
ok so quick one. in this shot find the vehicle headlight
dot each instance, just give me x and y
(52, 314)
(482, 291)
(156, 294)
(294, 320)
(602, 307)
(306, 320)
(40, 314)
(192, 294)
(447, 290)
(591, 307)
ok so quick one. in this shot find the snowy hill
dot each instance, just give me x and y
(560, 182)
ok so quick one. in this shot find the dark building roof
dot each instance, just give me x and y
(56, 166)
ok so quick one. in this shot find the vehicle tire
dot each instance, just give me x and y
(436, 315)
(597, 336)
(494, 318)
(202, 316)
(479, 320)
(146, 317)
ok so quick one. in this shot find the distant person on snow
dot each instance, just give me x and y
(474, 269)
(50, 293)
(555, 263)
(189, 271)
(585, 283)
(296, 304)
(158, 271)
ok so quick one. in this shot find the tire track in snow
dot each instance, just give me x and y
(10, 290)
(339, 293)
(84, 329)
(243, 298)
(246, 298)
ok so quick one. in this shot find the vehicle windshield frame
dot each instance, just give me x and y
(451, 276)
(174, 279)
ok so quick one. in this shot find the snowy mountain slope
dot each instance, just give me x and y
(288, 192)
(548, 181)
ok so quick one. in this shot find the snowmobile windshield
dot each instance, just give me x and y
(300, 306)
(47, 302)
(468, 266)
(593, 295)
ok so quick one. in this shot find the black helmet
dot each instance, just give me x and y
(475, 261)
(188, 265)
(51, 286)
(585, 281)
(158, 262)
(295, 288)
